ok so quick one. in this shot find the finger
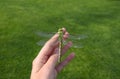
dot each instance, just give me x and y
(65, 62)
(53, 59)
(64, 30)
(50, 45)
(66, 35)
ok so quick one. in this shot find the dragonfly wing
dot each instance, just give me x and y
(43, 34)
(75, 44)
(74, 38)
(41, 42)
(77, 37)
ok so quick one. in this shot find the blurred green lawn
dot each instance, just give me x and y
(98, 19)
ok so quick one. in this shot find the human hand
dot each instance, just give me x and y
(45, 65)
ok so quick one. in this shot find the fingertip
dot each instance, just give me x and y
(63, 28)
(55, 36)
(66, 35)
(71, 56)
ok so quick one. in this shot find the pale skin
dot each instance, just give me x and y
(45, 65)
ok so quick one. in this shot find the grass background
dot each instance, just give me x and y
(98, 19)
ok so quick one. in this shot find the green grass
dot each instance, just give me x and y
(98, 19)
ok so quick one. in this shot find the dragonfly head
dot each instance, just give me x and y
(60, 31)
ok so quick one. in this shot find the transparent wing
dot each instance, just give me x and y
(75, 44)
(74, 38)
(41, 42)
(77, 37)
(46, 35)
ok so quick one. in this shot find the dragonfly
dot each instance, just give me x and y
(74, 38)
